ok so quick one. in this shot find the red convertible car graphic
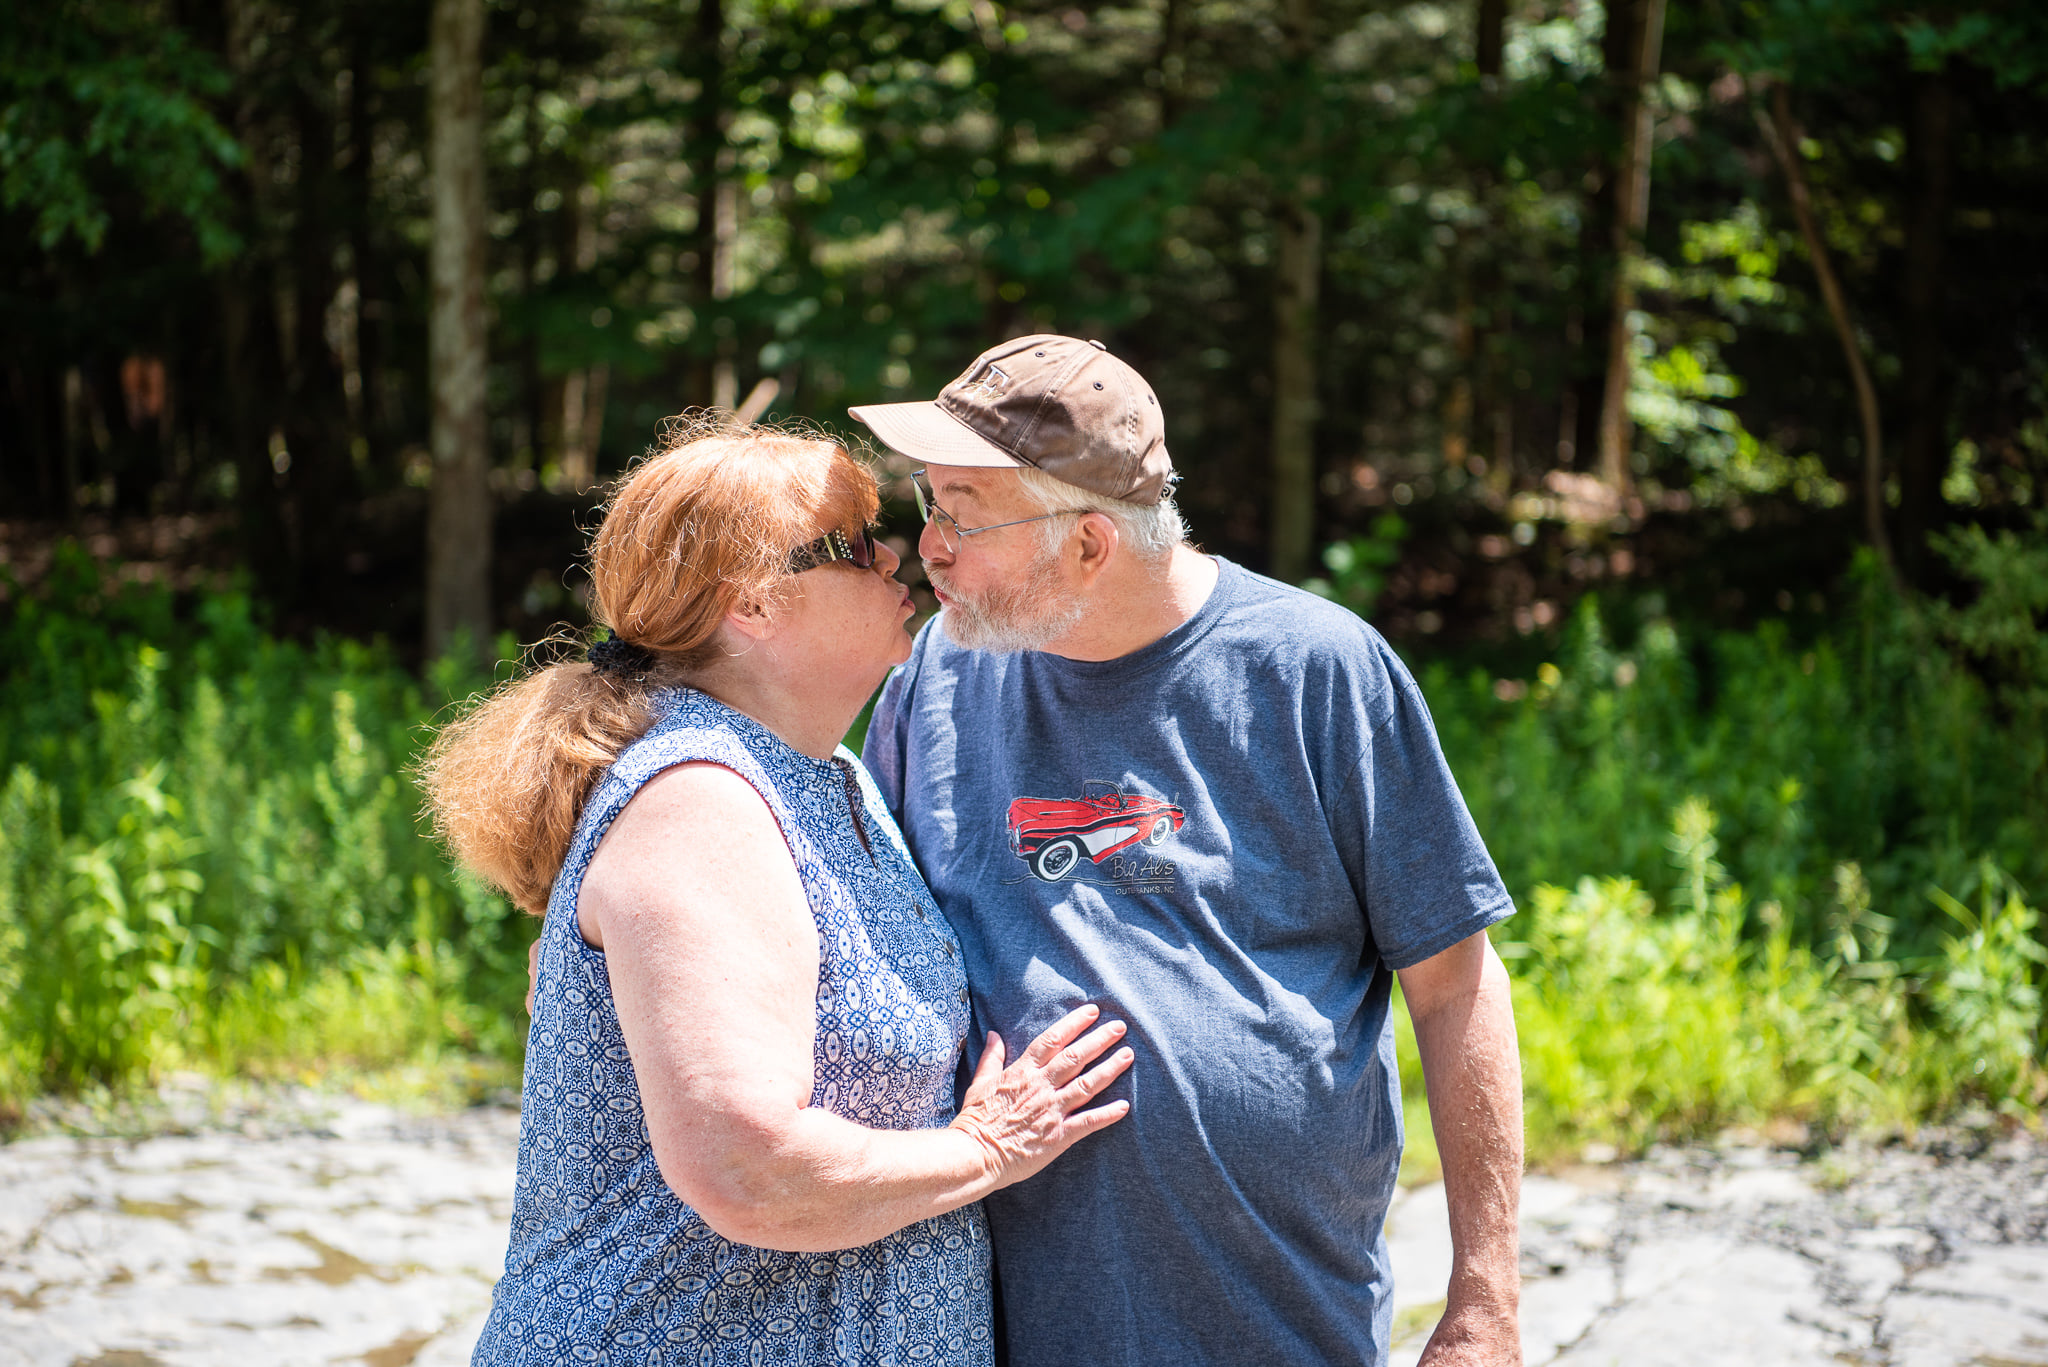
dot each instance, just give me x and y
(1050, 834)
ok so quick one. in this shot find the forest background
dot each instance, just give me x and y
(1666, 381)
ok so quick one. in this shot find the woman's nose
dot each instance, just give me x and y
(886, 558)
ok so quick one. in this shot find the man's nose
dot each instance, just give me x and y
(931, 547)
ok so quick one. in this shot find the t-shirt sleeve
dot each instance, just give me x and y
(1402, 827)
(882, 751)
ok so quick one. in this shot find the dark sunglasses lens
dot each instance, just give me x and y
(861, 550)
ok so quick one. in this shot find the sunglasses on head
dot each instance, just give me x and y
(857, 550)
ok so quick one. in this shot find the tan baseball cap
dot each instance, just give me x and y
(1060, 404)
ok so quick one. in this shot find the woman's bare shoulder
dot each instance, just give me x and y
(699, 789)
(695, 839)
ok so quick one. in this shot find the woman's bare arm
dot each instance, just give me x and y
(713, 958)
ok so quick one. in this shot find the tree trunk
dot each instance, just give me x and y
(1586, 322)
(1631, 216)
(1490, 36)
(1168, 62)
(1923, 448)
(704, 145)
(1783, 140)
(372, 306)
(1295, 296)
(459, 511)
(251, 374)
(1470, 414)
(725, 237)
(581, 396)
(249, 380)
(1296, 291)
(577, 400)
(39, 413)
(531, 444)
(321, 480)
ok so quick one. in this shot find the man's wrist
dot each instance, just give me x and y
(1485, 1295)
(1483, 1333)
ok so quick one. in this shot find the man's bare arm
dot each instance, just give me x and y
(1465, 1028)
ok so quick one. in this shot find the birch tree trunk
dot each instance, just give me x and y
(459, 510)
(1296, 289)
(1631, 215)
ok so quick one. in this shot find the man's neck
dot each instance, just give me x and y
(1134, 605)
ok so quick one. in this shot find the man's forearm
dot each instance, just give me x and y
(1465, 1028)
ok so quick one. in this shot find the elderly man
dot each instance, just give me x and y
(1142, 776)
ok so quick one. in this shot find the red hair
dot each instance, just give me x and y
(703, 526)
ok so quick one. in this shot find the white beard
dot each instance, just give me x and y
(1029, 613)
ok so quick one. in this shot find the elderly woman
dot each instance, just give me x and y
(737, 1139)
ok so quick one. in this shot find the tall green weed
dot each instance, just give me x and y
(1765, 878)
(1870, 745)
(1759, 877)
(209, 852)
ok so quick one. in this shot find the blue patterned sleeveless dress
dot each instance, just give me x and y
(606, 1265)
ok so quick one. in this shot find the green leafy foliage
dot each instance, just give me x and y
(1359, 567)
(1985, 994)
(1869, 745)
(210, 856)
(2003, 628)
(104, 101)
(1639, 1024)
(210, 852)
(1793, 834)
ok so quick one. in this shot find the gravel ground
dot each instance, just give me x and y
(231, 1226)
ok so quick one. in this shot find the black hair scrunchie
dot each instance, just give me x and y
(619, 658)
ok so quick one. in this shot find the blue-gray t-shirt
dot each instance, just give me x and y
(1228, 839)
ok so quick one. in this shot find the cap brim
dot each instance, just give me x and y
(924, 431)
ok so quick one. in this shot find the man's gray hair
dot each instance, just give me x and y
(1151, 530)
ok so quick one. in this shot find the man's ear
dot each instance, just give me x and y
(1093, 546)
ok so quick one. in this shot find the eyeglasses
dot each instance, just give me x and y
(951, 533)
(857, 550)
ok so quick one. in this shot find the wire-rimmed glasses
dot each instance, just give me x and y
(951, 533)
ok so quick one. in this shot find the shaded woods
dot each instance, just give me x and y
(1546, 278)
(1667, 380)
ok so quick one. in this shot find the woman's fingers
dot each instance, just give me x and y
(1067, 1064)
(1027, 1114)
(1062, 1033)
(1088, 1122)
(1091, 1084)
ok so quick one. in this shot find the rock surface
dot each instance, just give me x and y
(327, 1233)
(1929, 1257)
(318, 1231)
